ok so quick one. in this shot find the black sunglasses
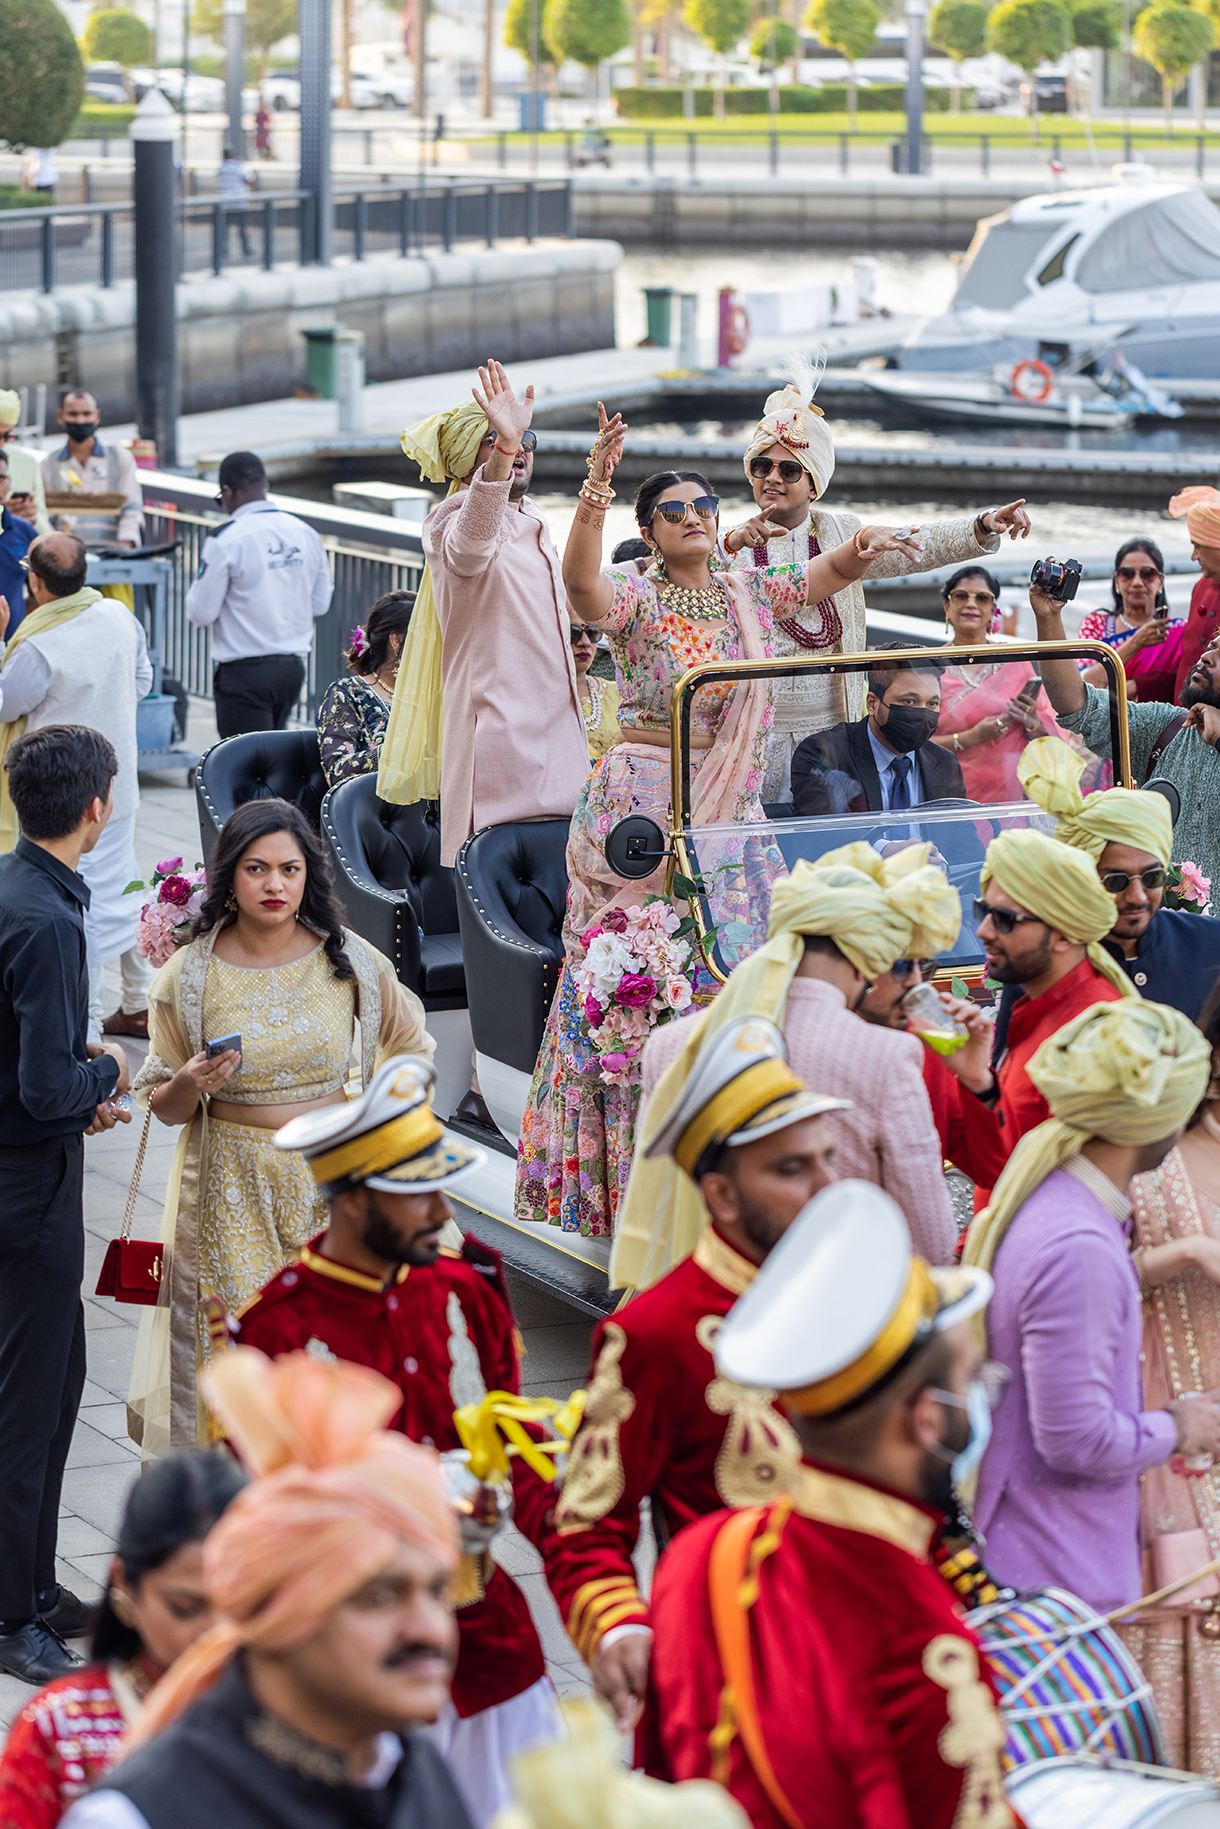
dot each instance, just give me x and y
(903, 968)
(1003, 919)
(789, 469)
(675, 512)
(578, 630)
(1145, 574)
(1115, 881)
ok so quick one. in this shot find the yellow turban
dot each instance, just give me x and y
(1050, 771)
(1129, 1072)
(876, 910)
(10, 406)
(1060, 886)
(791, 419)
(1201, 506)
(445, 447)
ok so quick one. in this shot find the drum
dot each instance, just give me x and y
(1081, 1794)
(1067, 1683)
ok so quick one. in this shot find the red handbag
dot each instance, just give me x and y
(131, 1268)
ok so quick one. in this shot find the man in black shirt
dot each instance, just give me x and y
(54, 1088)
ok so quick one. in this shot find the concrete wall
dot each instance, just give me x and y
(239, 336)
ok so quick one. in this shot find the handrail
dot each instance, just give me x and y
(258, 200)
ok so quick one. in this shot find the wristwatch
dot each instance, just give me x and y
(981, 529)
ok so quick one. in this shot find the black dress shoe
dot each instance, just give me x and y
(36, 1654)
(472, 1108)
(70, 1617)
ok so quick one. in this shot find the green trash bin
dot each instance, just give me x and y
(659, 301)
(320, 362)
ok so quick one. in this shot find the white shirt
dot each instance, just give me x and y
(263, 579)
(107, 467)
(232, 180)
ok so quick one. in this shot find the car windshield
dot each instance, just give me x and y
(947, 777)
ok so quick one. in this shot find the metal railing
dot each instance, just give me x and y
(94, 244)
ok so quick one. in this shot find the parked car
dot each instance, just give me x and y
(1050, 94)
(386, 89)
(107, 83)
(281, 91)
(204, 94)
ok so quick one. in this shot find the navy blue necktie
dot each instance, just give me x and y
(900, 782)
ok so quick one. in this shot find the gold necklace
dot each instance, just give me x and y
(700, 602)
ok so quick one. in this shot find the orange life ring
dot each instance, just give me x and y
(1038, 368)
(737, 330)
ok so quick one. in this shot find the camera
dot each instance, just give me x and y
(1059, 578)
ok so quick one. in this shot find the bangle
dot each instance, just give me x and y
(503, 449)
(593, 501)
(598, 491)
(1137, 1258)
(957, 741)
(855, 545)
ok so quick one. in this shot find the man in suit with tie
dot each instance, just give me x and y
(887, 761)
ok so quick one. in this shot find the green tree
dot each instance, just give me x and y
(720, 23)
(1173, 39)
(848, 27)
(519, 29)
(586, 31)
(1097, 25)
(959, 29)
(115, 36)
(1029, 33)
(42, 78)
(773, 42)
(267, 22)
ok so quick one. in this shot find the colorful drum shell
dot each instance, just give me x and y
(1079, 1794)
(1067, 1683)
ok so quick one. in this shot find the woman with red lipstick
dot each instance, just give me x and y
(271, 963)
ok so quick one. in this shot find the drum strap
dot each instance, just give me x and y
(737, 1554)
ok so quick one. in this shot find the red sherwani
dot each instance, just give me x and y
(876, 1709)
(659, 1423)
(444, 1334)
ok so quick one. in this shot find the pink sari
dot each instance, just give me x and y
(990, 769)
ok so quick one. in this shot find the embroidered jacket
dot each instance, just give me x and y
(444, 1334)
(875, 1708)
(659, 1423)
(64, 1738)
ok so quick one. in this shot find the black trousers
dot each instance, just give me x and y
(256, 694)
(42, 1355)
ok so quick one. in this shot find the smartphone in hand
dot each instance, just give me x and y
(221, 1045)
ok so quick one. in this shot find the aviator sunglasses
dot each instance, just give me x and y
(1115, 881)
(1129, 573)
(903, 968)
(675, 512)
(789, 470)
(577, 632)
(1003, 919)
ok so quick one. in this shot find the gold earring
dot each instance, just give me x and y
(120, 1605)
(231, 902)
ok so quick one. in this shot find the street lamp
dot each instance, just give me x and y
(152, 133)
(915, 12)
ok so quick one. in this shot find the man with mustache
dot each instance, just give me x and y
(330, 1578)
(380, 1289)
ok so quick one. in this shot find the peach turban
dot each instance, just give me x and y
(334, 1498)
(1201, 507)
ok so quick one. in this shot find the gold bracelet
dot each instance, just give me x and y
(593, 501)
(598, 488)
(957, 742)
(855, 545)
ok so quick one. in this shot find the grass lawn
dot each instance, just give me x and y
(96, 115)
(1001, 129)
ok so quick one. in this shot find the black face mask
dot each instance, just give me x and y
(907, 726)
(79, 430)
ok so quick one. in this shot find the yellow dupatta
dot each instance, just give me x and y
(39, 622)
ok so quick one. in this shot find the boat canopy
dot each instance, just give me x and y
(1169, 240)
(995, 277)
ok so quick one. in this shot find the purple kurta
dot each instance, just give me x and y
(1058, 1495)
(514, 744)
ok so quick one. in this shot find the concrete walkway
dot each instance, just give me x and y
(103, 1462)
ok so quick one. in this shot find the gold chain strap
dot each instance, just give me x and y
(134, 1189)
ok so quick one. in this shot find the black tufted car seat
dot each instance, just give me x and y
(262, 765)
(388, 873)
(512, 885)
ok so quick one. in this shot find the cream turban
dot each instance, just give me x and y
(1201, 506)
(791, 419)
(1061, 886)
(445, 447)
(10, 407)
(876, 910)
(1129, 1072)
(334, 1498)
(1050, 771)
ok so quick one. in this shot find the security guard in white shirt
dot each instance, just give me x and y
(263, 581)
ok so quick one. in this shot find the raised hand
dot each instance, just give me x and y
(508, 417)
(1011, 519)
(871, 542)
(1206, 720)
(607, 451)
(758, 529)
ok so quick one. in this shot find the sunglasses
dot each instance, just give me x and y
(1145, 574)
(789, 470)
(529, 440)
(675, 512)
(961, 598)
(1115, 881)
(904, 968)
(1004, 920)
(577, 632)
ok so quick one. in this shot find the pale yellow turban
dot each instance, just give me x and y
(1129, 1072)
(444, 446)
(1050, 771)
(10, 406)
(1201, 507)
(876, 910)
(791, 419)
(1061, 886)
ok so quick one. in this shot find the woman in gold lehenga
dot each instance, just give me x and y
(271, 963)
(1177, 1222)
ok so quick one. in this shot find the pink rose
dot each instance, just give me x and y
(635, 990)
(677, 993)
(1194, 880)
(595, 1015)
(177, 890)
(590, 934)
(168, 866)
(615, 1063)
(614, 921)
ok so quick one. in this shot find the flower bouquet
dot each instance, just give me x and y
(165, 922)
(1186, 887)
(637, 973)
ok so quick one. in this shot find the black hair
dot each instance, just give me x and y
(971, 571)
(882, 674)
(63, 575)
(390, 615)
(241, 470)
(655, 486)
(74, 393)
(54, 773)
(1209, 1023)
(856, 1426)
(1154, 553)
(4, 460)
(627, 550)
(176, 1501)
(320, 906)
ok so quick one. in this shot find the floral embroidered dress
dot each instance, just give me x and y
(577, 1133)
(352, 721)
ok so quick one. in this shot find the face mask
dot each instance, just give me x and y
(977, 1406)
(907, 726)
(81, 429)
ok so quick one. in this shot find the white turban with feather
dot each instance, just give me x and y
(791, 419)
